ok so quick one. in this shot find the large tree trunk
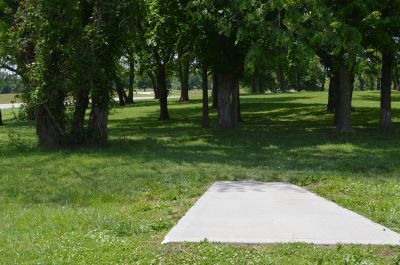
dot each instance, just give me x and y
(1, 119)
(78, 120)
(206, 118)
(215, 91)
(281, 80)
(331, 94)
(129, 100)
(228, 96)
(343, 102)
(386, 100)
(98, 125)
(184, 80)
(50, 123)
(162, 91)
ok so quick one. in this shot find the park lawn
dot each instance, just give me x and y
(114, 205)
(8, 98)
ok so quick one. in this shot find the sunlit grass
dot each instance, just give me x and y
(114, 205)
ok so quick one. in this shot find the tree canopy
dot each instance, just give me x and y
(73, 56)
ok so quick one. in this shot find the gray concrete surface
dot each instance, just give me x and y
(256, 212)
(10, 106)
(18, 105)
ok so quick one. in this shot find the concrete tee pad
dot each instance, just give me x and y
(257, 212)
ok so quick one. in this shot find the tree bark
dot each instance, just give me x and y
(352, 81)
(371, 82)
(162, 91)
(78, 120)
(378, 83)
(396, 78)
(131, 79)
(50, 125)
(281, 80)
(206, 118)
(362, 82)
(228, 96)
(254, 85)
(386, 101)
(215, 91)
(184, 80)
(98, 130)
(1, 119)
(343, 102)
(153, 80)
(123, 98)
(323, 80)
(331, 94)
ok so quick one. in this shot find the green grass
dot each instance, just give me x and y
(114, 205)
(8, 98)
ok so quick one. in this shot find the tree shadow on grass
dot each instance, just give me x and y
(279, 137)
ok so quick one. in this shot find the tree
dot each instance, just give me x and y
(160, 31)
(332, 29)
(381, 28)
(206, 118)
(69, 48)
(218, 25)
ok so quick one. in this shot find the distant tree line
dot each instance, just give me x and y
(87, 50)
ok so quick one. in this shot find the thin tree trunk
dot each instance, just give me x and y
(343, 106)
(153, 80)
(372, 82)
(396, 78)
(323, 80)
(378, 83)
(78, 120)
(215, 91)
(123, 98)
(228, 95)
(352, 80)
(184, 80)
(238, 101)
(162, 91)
(129, 99)
(1, 119)
(206, 118)
(281, 80)
(254, 85)
(298, 82)
(261, 87)
(386, 101)
(331, 94)
(362, 82)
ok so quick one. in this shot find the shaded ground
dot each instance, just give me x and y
(114, 205)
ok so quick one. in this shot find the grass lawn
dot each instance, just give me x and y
(114, 205)
(8, 98)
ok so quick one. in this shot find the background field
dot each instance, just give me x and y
(114, 205)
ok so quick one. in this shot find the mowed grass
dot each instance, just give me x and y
(114, 205)
(8, 98)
